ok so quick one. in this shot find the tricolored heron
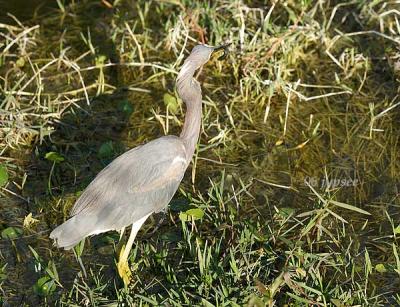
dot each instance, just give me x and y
(144, 179)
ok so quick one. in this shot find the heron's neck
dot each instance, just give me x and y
(191, 128)
(190, 92)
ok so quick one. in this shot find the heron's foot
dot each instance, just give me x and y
(124, 270)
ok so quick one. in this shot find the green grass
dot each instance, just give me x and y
(308, 95)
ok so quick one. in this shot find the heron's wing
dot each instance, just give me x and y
(138, 177)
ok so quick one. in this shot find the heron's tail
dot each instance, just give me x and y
(71, 232)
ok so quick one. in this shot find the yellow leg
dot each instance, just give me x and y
(121, 233)
(120, 242)
(123, 265)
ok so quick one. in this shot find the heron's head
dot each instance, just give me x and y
(201, 54)
(189, 89)
(198, 57)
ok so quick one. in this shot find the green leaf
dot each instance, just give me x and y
(291, 13)
(337, 302)
(11, 233)
(35, 254)
(100, 60)
(349, 207)
(397, 230)
(380, 267)
(125, 107)
(197, 213)
(184, 217)
(54, 156)
(44, 286)
(109, 239)
(3, 175)
(106, 150)
(20, 62)
(286, 211)
(171, 103)
(396, 256)
(79, 248)
(3, 275)
(52, 271)
(191, 215)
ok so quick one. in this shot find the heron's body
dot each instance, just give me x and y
(144, 179)
(121, 186)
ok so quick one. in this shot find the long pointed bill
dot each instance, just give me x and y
(225, 49)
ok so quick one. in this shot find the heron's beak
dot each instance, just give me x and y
(224, 48)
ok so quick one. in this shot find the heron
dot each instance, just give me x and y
(144, 179)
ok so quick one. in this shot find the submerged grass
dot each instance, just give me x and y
(295, 177)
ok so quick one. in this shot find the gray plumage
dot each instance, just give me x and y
(144, 179)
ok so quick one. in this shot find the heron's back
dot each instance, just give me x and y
(141, 181)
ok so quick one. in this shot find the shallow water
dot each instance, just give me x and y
(24, 9)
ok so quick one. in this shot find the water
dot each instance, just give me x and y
(24, 10)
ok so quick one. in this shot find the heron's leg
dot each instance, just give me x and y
(121, 233)
(123, 266)
(120, 242)
(128, 246)
(159, 223)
